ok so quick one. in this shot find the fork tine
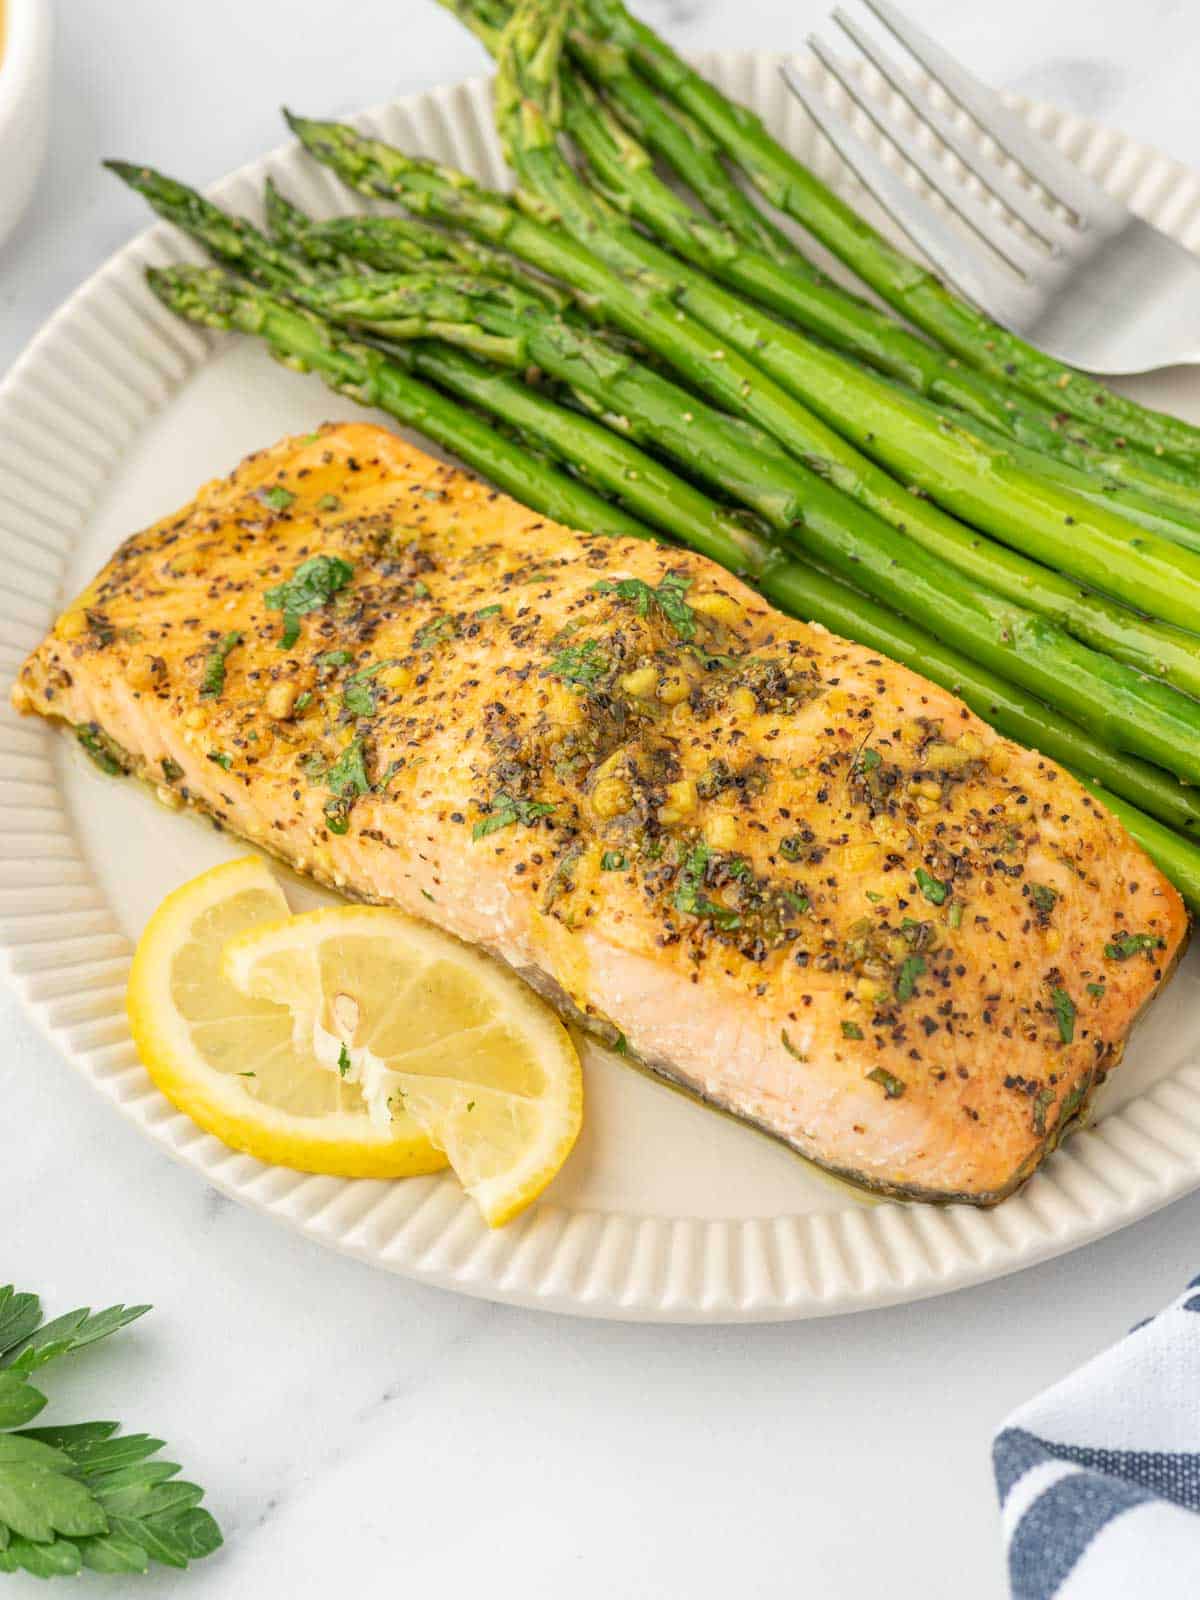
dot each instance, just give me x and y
(936, 238)
(983, 222)
(1016, 199)
(1037, 159)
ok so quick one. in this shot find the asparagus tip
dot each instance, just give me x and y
(127, 171)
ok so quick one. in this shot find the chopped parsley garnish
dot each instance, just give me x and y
(1043, 896)
(213, 680)
(329, 502)
(689, 896)
(667, 599)
(486, 611)
(911, 968)
(1129, 944)
(869, 759)
(507, 810)
(277, 497)
(561, 880)
(892, 1086)
(1042, 1103)
(328, 659)
(313, 584)
(1064, 1012)
(221, 759)
(799, 903)
(359, 698)
(303, 700)
(420, 590)
(1097, 990)
(337, 816)
(105, 752)
(792, 847)
(347, 777)
(612, 861)
(790, 1047)
(171, 770)
(851, 1030)
(435, 632)
(584, 664)
(348, 774)
(955, 915)
(934, 890)
(343, 1062)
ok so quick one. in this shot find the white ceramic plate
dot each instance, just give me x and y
(116, 413)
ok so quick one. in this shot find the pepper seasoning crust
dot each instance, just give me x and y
(788, 874)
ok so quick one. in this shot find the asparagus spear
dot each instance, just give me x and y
(797, 291)
(755, 258)
(1157, 650)
(1150, 512)
(897, 278)
(237, 240)
(378, 169)
(215, 299)
(811, 383)
(373, 301)
(1138, 715)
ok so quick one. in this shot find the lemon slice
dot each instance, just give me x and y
(420, 1024)
(236, 1063)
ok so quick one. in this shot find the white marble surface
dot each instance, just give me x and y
(363, 1435)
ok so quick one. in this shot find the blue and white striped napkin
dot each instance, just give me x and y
(1099, 1478)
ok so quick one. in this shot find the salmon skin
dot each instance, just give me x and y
(788, 875)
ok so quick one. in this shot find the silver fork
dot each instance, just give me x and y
(1070, 269)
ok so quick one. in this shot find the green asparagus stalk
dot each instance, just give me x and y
(679, 139)
(797, 291)
(377, 169)
(407, 244)
(1147, 511)
(804, 394)
(215, 299)
(753, 257)
(1137, 714)
(209, 296)
(398, 245)
(903, 283)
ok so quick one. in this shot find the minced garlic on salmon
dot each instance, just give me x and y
(784, 872)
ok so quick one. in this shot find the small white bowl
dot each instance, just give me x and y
(24, 103)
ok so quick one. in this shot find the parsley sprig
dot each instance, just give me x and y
(75, 1496)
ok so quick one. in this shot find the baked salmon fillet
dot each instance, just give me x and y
(784, 873)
